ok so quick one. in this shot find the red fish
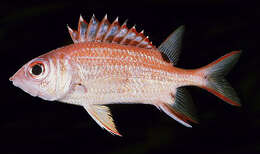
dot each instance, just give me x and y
(109, 63)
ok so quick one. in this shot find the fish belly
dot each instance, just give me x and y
(130, 90)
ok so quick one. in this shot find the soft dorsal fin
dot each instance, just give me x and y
(182, 108)
(103, 31)
(172, 45)
(102, 115)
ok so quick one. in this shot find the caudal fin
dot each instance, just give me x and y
(214, 74)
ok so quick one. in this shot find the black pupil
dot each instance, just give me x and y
(36, 69)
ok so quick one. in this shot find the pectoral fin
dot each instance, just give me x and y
(102, 115)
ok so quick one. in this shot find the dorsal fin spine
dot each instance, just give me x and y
(129, 36)
(121, 33)
(80, 18)
(103, 31)
(82, 29)
(73, 34)
(112, 31)
(144, 42)
(92, 28)
(139, 37)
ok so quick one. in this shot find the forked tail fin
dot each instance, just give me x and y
(215, 83)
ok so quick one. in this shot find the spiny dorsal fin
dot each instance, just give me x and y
(103, 31)
(82, 29)
(102, 115)
(139, 37)
(121, 33)
(172, 45)
(131, 34)
(73, 34)
(112, 31)
(92, 29)
(182, 108)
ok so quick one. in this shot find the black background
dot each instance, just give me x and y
(213, 28)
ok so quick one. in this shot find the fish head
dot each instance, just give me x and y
(41, 77)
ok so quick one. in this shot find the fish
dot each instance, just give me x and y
(109, 63)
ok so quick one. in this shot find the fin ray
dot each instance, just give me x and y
(144, 42)
(182, 108)
(102, 115)
(92, 29)
(214, 75)
(103, 31)
(82, 29)
(73, 34)
(139, 37)
(129, 36)
(121, 34)
(112, 31)
(172, 45)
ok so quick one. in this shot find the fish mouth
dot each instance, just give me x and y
(22, 85)
(11, 78)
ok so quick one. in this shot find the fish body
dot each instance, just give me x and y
(109, 63)
(120, 73)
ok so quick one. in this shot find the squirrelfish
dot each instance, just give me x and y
(109, 63)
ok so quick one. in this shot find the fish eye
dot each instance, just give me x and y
(37, 69)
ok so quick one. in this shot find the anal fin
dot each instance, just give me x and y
(102, 115)
(182, 108)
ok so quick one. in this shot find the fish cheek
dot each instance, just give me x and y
(44, 84)
(47, 90)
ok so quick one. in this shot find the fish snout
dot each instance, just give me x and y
(20, 81)
(18, 77)
(11, 78)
